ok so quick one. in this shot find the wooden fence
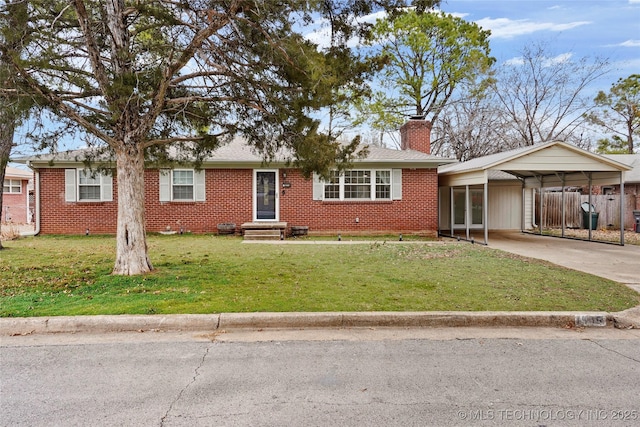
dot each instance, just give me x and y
(606, 206)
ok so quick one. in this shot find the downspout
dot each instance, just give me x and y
(36, 185)
(28, 207)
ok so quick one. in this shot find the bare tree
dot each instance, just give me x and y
(542, 95)
(469, 127)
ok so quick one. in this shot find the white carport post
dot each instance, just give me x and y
(452, 213)
(467, 211)
(590, 213)
(563, 205)
(622, 205)
(485, 210)
(523, 217)
(541, 202)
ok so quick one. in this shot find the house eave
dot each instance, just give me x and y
(240, 164)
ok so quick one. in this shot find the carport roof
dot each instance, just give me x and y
(548, 159)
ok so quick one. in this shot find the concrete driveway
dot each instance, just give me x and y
(619, 263)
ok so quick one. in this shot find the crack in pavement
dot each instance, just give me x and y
(614, 351)
(196, 373)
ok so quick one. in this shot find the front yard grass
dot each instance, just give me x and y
(70, 275)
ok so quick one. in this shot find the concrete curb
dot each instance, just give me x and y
(628, 319)
(227, 321)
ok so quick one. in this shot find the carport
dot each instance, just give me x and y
(498, 191)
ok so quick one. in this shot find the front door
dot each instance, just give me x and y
(265, 195)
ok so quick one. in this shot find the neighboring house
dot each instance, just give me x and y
(498, 192)
(389, 191)
(631, 178)
(15, 197)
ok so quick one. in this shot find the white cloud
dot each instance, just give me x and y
(627, 43)
(458, 14)
(547, 62)
(634, 1)
(507, 28)
(513, 62)
(631, 43)
(321, 35)
(558, 59)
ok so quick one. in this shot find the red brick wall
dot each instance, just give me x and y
(60, 217)
(416, 212)
(416, 135)
(229, 198)
(15, 205)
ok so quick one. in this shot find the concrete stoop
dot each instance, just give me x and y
(264, 230)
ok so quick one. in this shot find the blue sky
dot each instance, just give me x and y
(605, 28)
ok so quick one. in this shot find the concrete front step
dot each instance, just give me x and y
(262, 234)
(264, 231)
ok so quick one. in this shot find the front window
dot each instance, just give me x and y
(88, 186)
(358, 185)
(182, 185)
(383, 184)
(12, 186)
(332, 187)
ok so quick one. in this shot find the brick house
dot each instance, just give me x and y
(631, 178)
(15, 196)
(389, 191)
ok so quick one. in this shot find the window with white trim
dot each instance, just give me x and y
(182, 185)
(83, 185)
(13, 186)
(359, 185)
(88, 185)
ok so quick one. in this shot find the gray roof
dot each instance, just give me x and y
(238, 153)
(633, 160)
(11, 172)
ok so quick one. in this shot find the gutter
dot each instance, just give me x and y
(36, 184)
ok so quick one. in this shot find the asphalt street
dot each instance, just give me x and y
(351, 377)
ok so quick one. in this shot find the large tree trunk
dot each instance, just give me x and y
(131, 240)
(7, 128)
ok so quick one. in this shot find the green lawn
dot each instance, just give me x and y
(63, 275)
